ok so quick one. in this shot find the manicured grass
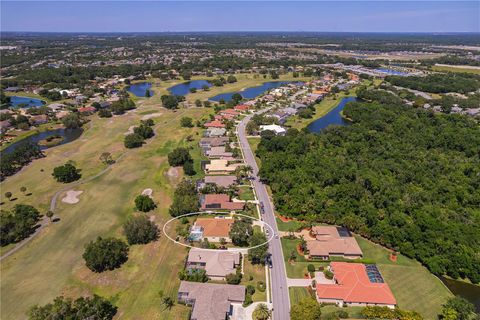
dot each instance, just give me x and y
(297, 294)
(353, 312)
(258, 273)
(246, 193)
(456, 69)
(287, 225)
(254, 142)
(52, 264)
(298, 268)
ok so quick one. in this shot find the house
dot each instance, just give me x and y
(219, 202)
(332, 241)
(278, 130)
(80, 99)
(214, 124)
(220, 166)
(56, 106)
(211, 301)
(355, 284)
(241, 108)
(221, 181)
(229, 113)
(5, 125)
(62, 114)
(87, 110)
(218, 153)
(213, 229)
(210, 142)
(38, 119)
(12, 89)
(217, 264)
(215, 132)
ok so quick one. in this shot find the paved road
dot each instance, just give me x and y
(280, 298)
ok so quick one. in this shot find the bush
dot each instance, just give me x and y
(188, 168)
(105, 254)
(261, 286)
(178, 157)
(186, 122)
(233, 278)
(144, 203)
(328, 274)
(140, 230)
(133, 140)
(105, 113)
(250, 289)
(66, 173)
(248, 300)
(82, 308)
(195, 275)
(311, 268)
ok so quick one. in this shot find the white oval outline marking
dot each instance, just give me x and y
(223, 213)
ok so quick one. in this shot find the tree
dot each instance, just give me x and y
(72, 121)
(259, 254)
(140, 230)
(233, 278)
(49, 214)
(198, 103)
(231, 79)
(306, 309)
(241, 231)
(261, 312)
(168, 302)
(94, 307)
(144, 203)
(105, 254)
(186, 122)
(133, 140)
(104, 113)
(179, 156)
(18, 224)
(66, 173)
(186, 74)
(188, 168)
(237, 97)
(8, 195)
(147, 93)
(106, 158)
(169, 101)
(144, 131)
(185, 199)
(458, 307)
(194, 275)
(23, 189)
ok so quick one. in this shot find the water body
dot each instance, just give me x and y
(465, 290)
(182, 89)
(139, 89)
(251, 92)
(68, 135)
(392, 72)
(332, 118)
(25, 102)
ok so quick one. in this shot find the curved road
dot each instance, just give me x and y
(278, 276)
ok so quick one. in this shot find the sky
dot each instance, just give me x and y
(185, 16)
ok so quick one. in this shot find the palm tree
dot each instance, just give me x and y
(168, 302)
(261, 312)
(49, 214)
(23, 189)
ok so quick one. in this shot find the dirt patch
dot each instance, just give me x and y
(147, 192)
(129, 131)
(173, 174)
(72, 197)
(152, 115)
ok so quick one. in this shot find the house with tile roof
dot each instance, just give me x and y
(211, 301)
(332, 241)
(356, 284)
(216, 263)
(212, 228)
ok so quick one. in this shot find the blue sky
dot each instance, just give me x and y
(157, 16)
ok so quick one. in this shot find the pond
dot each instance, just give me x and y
(68, 135)
(251, 92)
(25, 102)
(334, 117)
(182, 89)
(465, 290)
(140, 89)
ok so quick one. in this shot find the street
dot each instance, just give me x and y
(279, 288)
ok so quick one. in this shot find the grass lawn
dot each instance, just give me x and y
(246, 193)
(353, 312)
(258, 274)
(297, 294)
(463, 69)
(287, 225)
(52, 264)
(298, 268)
(254, 142)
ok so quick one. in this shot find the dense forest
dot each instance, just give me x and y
(403, 177)
(439, 82)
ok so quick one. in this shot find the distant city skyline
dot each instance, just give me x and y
(276, 16)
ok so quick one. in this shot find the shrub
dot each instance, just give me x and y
(195, 275)
(133, 140)
(342, 314)
(233, 278)
(328, 274)
(250, 289)
(105, 254)
(188, 168)
(140, 230)
(105, 113)
(186, 122)
(66, 173)
(261, 286)
(178, 157)
(311, 268)
(144, 203)
(248, 300)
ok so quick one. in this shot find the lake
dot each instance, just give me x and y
(139, 89)
(182, 89)
(251, 92)
(25, 102)
(68, 135)
(465, 290)
(332, 118)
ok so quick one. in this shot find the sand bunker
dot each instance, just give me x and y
(152, 115)
(72, 197)
(147, 192)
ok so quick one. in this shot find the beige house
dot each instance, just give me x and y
(220, 166)
(216, 263)
(332, 241)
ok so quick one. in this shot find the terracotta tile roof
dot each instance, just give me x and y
(242, 107)
(214, 124)
(230, 112)
(354, 286)
(215, 227)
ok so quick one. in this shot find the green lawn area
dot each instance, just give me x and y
(258, 274)
(51, 264)
(297, 294)
(254, 142)
(457, 69)
(246, 193)
(298, 268)
(287, 225)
